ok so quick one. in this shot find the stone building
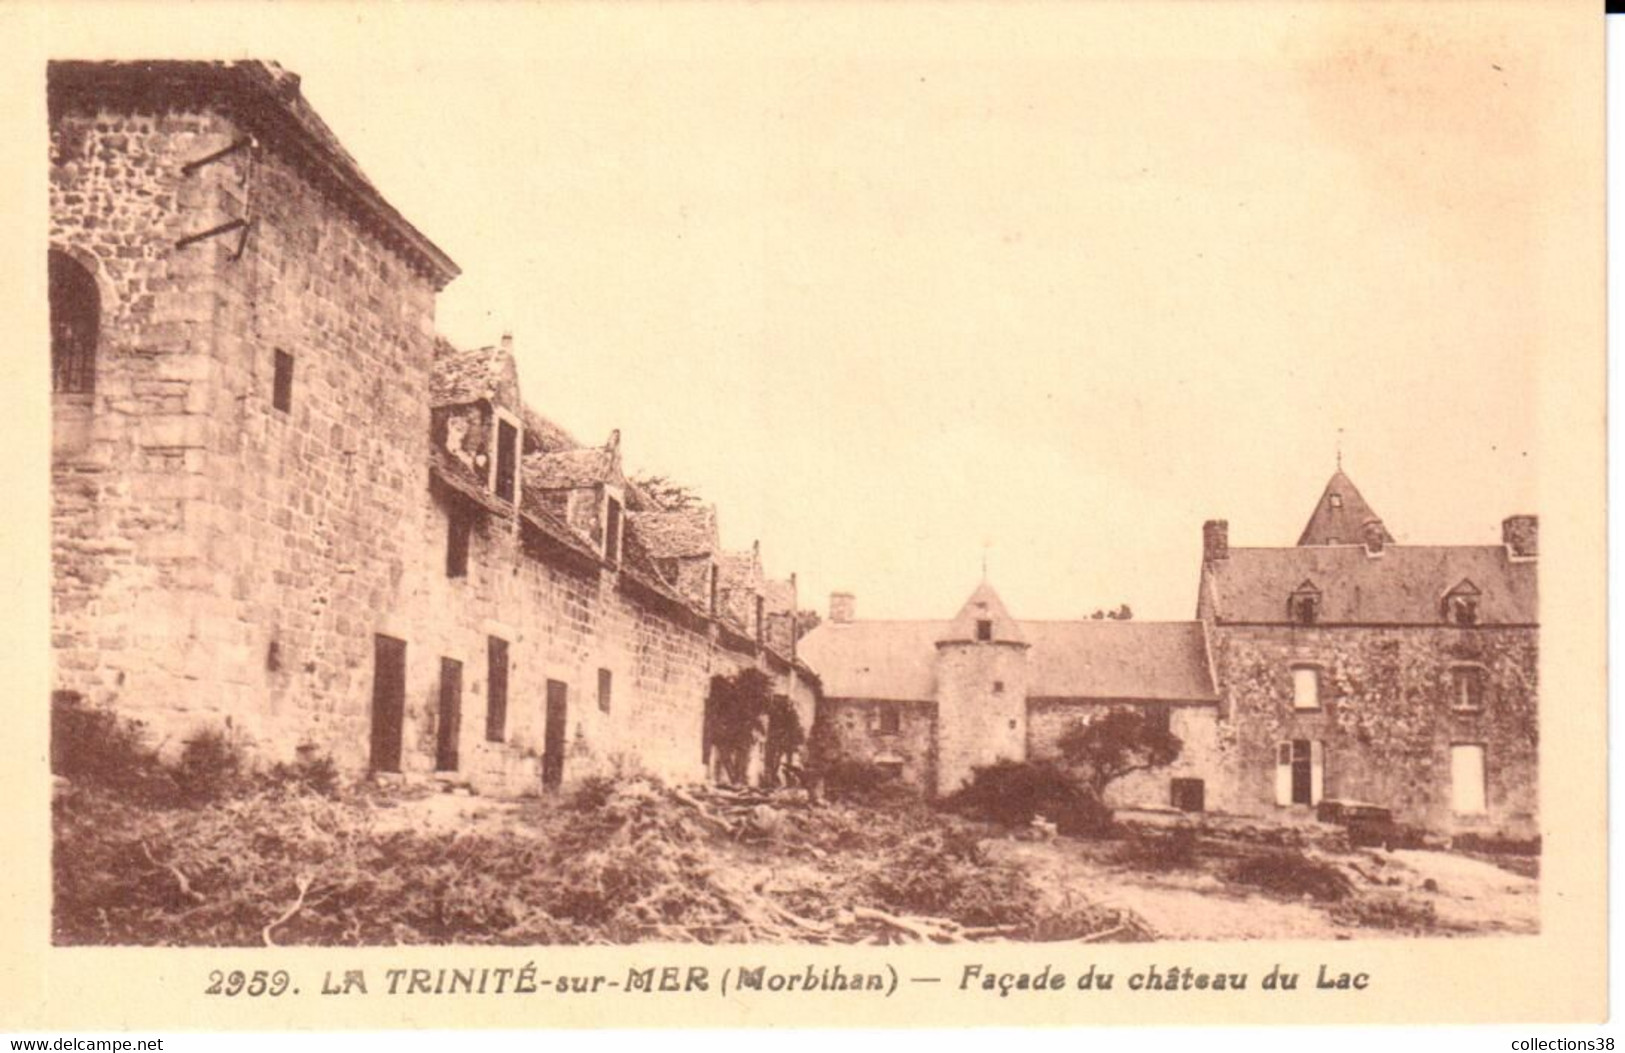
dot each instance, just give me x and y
(284, 506)
(932, 700)
(1346, 666)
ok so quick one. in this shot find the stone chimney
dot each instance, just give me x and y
(1375, 537)
(1215, 539)
(842, 606)
(1521, 535)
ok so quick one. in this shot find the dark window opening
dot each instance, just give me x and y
(761, 627)
(606, 687)
(1305, 609)
(388, 701)
(450, 724)
(984, 629)
(1159, 718)
(998, 687)
(612, 533)
(1187, 795)
(713, 599)
(1463, 610)
(282, 382)
(76, 314)
(891, 720)
(496, 678)
(458, 530)
(507, 460)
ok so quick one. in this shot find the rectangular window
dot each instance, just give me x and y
(1467, 791)
(1187, 795)
(713, 599)
(1305, 687)
(612, 533)
(606, 688)
(282, 382)
(496, 679)
(449, 727)
(1467, 688)
(507, 460)
(1300, 772)
(984, 630)
(458, 529)
(761, 628)
(891, 720)
(1159, 719)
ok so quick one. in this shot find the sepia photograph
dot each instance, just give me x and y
(941, 478)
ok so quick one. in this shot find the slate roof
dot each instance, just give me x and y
(674, 535)
(1340, 516)
(461, 377)
(896, 660)
(567, 469)
(984, 605)
(737, 570)
(1405, 585)
(779, 596)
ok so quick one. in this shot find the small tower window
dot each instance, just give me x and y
(984, 629)
(282, 382)
(1336, 500)
(76, 311)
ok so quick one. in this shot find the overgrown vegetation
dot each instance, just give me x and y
(736, 711)
(1014, 793)
(1115, 744)
(1290, 873)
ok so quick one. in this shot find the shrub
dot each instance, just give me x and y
(1291, 873)
(94, 745)
(1014, 792)
(862, 782)
(1175, 850)
(309, 773)
(210, 767)
(1387, 910)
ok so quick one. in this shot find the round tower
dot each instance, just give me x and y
(981, 668)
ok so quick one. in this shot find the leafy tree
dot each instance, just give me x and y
(735, 710)
(785, 736)
(1122, 614)
(806, 622)
(667, 493)
(1122, 741)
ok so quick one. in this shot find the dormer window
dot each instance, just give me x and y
(1461, 604)
(984, 629)
(713, 597)
(506, 480)
(1303, 606)
(1336, 500)
(612, 531)
(761, 628)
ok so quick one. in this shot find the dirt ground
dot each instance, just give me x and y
(1468, 896)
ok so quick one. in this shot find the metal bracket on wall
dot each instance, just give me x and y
(224, 228)
(226, 151)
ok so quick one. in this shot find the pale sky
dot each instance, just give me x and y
(889, 285)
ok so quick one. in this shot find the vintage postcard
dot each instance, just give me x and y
(750, 514)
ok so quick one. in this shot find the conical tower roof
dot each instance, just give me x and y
(983, 619)
(1341, 515)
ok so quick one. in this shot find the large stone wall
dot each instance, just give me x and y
(1386, 718)
(222, 561)
(131, 462)
(1200, 757)
(853, 731)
